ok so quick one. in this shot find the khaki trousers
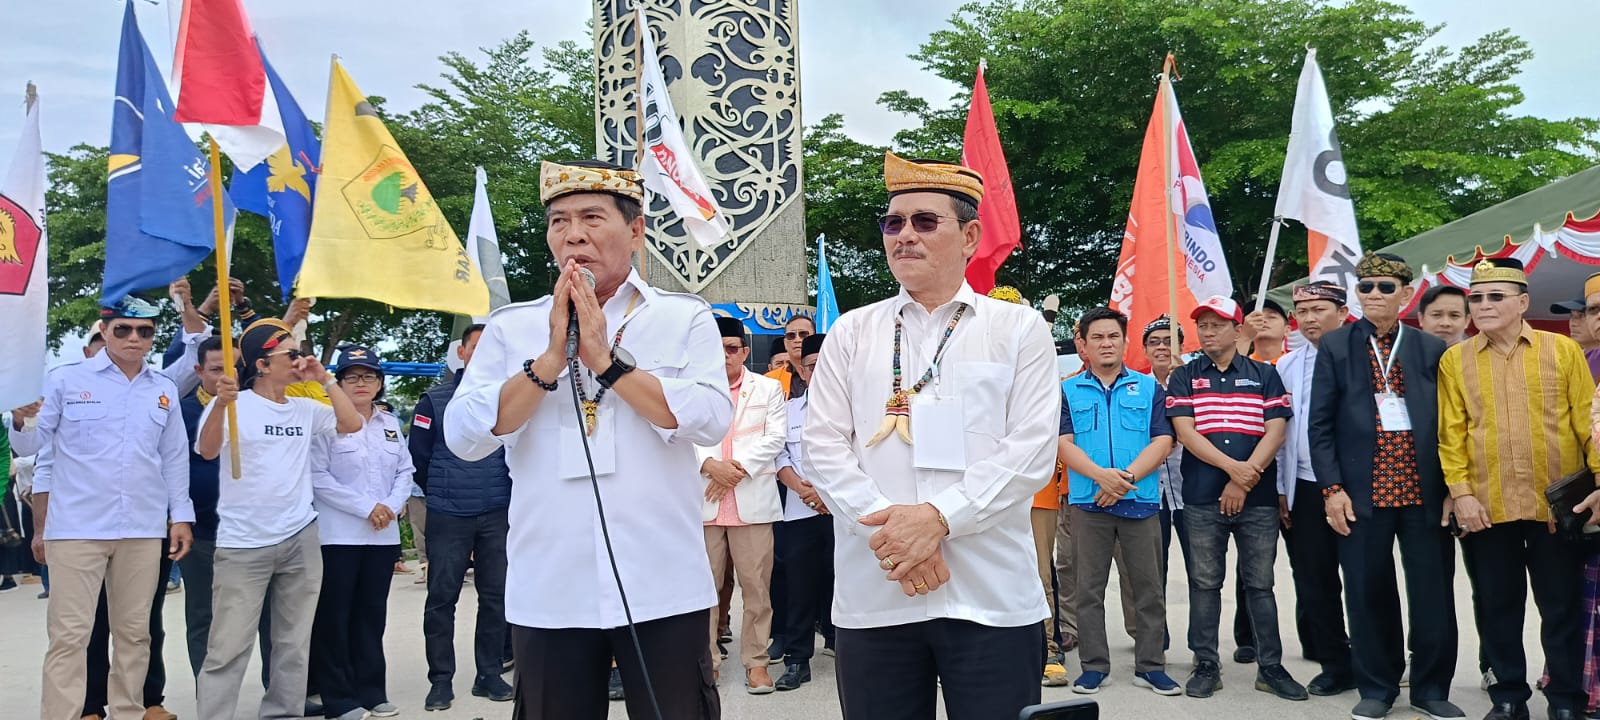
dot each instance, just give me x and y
(750, 547)
(417, 514)
(129, 570)
(1044, 542)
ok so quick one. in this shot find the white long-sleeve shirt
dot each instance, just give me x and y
(113, 453)
(559, 575)
(791, 456)
(1001, 362)
(352, 474)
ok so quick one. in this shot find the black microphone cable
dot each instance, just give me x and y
(605, 531)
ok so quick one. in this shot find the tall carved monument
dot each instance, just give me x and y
(733, 73)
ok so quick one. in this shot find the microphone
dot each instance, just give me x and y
(572, 316)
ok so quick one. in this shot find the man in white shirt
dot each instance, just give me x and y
(931, 426)
(806, 548)
(112, 470)
(649, 374)
(1313, 547)
(741, 499)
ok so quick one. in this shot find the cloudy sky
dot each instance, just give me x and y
(69, 47)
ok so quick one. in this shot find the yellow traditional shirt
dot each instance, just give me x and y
(1512, 423)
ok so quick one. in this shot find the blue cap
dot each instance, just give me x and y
(130, 307)
(357, 356)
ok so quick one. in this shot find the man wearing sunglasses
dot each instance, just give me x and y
(936, 488)
(795, 332)
(1374, 443)
(1514, 417)
(97, 527)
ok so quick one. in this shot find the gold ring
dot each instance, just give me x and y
(919, 585)
(886, 564)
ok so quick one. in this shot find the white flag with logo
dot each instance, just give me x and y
(1315, 189)
(24, 297)
(668, 167)
(483, 246)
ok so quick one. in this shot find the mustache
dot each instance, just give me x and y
(908, 252)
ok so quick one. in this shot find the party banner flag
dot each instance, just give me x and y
(221, 82)
(669, 167)
(1315, 189)
(24, 292)
(371, 208)
(997, 214)
(158, 201)
(281, 188)
(827, 303)
(1168, 184)
(483, 246)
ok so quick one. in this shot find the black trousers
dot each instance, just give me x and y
(1313, 549)
(99, 658)
(347, 637)
(778, 589)
(808, 555)
(562, 674)
(452, 541)
(893, 673)
(1501, 556)
(1378, 640)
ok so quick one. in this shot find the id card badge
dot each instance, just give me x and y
(602, 446)
(1392, 413)
(938, 433)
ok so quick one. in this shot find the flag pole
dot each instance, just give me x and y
(638, 144)
(225, 303)
(1266, 266)
(1172, 218)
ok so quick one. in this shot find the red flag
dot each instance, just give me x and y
(998, 212)
(222, 83)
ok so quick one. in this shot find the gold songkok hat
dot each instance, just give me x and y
(1508, 270)
(1382, 264)
(556, 180)
(1592, 285)
(1008, 294)
(902, 176)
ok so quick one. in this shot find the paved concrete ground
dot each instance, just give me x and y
(22, 634)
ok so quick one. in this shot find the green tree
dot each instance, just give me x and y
(1429, 135)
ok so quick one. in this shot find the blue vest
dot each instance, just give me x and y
(1112, 427)
(459, 487)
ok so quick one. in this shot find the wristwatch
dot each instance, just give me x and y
(621, 364)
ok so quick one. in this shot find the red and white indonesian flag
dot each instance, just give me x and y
(218, 80)
(23, 289)
(669, 167)
(1315, 189)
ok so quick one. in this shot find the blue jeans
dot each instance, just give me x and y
(1255, 533)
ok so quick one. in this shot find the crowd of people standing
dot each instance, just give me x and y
(919, 487)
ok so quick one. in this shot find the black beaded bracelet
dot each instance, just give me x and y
(527, 369)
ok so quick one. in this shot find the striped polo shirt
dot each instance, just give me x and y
(1230, 406)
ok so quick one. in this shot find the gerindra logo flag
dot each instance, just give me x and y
(19, 247)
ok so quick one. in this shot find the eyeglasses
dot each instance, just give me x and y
(922, 222)
(732, 349)
(121, 332)
(1385, 287)
(809, 366)
(1158, 342)
(1592, 311)
(359, 378)
(797, 334)
(1494, 298)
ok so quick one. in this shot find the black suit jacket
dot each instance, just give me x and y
(1342, 425)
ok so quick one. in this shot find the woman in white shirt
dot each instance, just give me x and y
(360, 482)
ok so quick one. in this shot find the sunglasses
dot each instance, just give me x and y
(922, 222)
(1386, 287)
(732, 349)
(797, 335)
(121, 332)
(293, 354)
(1493, 297)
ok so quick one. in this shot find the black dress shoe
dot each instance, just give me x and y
(1439, 709)
(439, 697)
(614, 687)
(1329, 683)
(314, 709)
(492, 687)
(1564, 714)
(1508, 711)
(794, 676)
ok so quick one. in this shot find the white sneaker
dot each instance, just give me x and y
(1488, 680)
(384, 710)
(356, 714)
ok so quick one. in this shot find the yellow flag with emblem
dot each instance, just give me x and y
(376, 232)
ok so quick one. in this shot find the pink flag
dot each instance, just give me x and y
(220, 82)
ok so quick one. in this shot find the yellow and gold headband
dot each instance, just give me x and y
(1592, 285)
(902, 176)
(556, 180)
(1507, 270)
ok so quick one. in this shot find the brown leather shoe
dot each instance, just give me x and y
(758, 682)
(158, 713)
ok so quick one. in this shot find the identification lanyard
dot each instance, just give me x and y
(1387, 364)
(897, 411)
(591, 407)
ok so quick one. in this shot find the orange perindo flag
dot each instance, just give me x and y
(1139, 288)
